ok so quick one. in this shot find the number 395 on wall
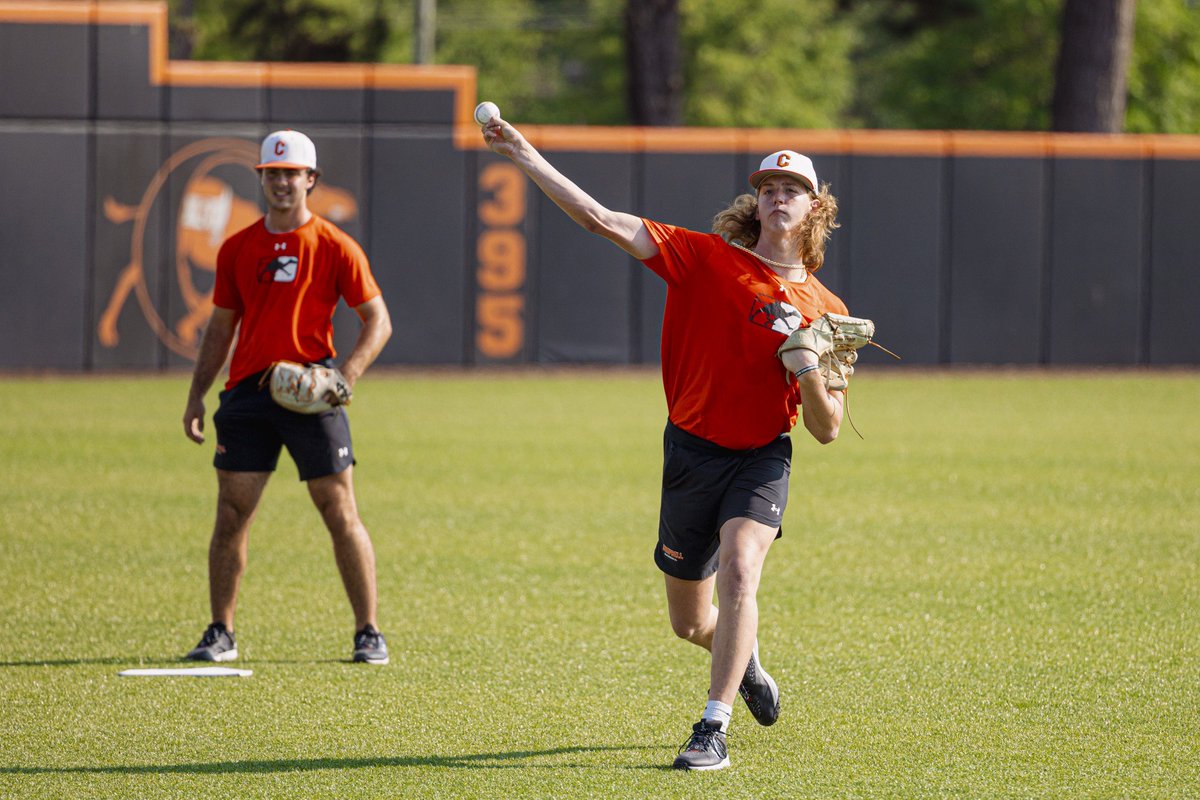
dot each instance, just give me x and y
(500, 263)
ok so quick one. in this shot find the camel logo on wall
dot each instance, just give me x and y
(209, 210)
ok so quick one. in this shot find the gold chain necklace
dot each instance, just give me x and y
(803, 269)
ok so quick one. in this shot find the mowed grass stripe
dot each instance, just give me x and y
(993, 594)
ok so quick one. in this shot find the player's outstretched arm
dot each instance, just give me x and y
(625, 230)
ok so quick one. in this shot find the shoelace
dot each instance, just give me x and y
(700, 740)
(211, 636)
(368, 639)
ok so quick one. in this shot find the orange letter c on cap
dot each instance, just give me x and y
(783, 160)
(280, 147)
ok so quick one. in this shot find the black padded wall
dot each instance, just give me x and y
(416, 244)
(123, 87)
(123, 175)
(130, 255)
(893, 231)
(1174, 274)
(584, 291)
(47, 71)
(44, 244)
(1095, 302)
(996, 236)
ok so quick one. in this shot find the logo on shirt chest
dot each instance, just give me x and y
(207, 191)
(776, 315)
(281, 269)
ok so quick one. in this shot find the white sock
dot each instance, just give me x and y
(716, 711)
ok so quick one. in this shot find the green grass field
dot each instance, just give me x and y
(995, 594)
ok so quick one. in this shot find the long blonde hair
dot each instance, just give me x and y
(739, 222)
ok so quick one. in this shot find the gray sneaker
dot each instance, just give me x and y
(370, 647)
(760, 692)
(217, 644)
(705, 749)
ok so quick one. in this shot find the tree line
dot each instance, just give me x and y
(1017, 65)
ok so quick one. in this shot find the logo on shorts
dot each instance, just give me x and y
(775, 509)
(674, 555)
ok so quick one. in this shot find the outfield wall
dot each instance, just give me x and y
(123, 171)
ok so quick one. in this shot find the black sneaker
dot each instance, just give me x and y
(370, 647)
(217, 644)
(705, 750)
(760, 692)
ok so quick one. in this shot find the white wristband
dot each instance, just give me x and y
(809, 368)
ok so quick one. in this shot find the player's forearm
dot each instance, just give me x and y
(617, 226)
(821, 409)
(374, 334)
(578, 204)
(214, 349)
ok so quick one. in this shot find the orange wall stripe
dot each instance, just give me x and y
(899, 143)
(1176, 147)
(583, 137)
(418, 76)
(762, 141)
(999, 144)
(1096, 145)
(217, 74)
(47, 12)
(317, 76)
(693, 140)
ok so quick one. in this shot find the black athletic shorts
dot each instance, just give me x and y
(704, 486)
(252, 429)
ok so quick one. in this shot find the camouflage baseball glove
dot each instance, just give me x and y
(835, 339)
(307, 389)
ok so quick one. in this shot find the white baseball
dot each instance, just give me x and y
(486, 111)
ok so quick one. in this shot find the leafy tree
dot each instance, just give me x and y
(550, 62)
(1164, 78)
(968, 64)
(288, 30)
(773, 63)
(987, 65)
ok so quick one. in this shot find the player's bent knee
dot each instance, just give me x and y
(738, 581)
(687, 629)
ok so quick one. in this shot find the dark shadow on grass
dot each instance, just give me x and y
(519, 759)
(125, 663)
(76, 662)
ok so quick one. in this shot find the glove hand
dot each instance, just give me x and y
(307, 389)
(831, 342)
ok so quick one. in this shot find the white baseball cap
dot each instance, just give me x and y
(288, 150)
(786, 162)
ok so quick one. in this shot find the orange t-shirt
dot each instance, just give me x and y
(285, 287)
(726, 315)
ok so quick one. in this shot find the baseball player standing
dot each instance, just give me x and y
(733, 296)
(277, 285)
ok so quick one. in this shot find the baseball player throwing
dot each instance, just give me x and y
(733, 298)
